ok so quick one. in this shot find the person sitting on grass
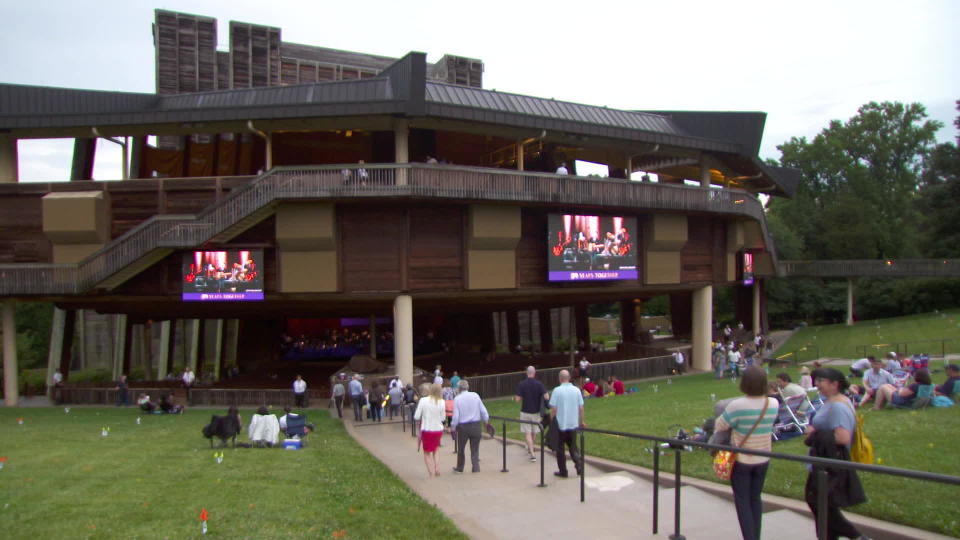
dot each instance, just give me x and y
(889, 394)
(590, 387)
(874, 378)
(264, 428)
(617, 385)
(145, 404)
(788, 388)
(952, 384)
(169, 405)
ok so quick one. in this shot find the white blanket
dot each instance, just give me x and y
(265, 428)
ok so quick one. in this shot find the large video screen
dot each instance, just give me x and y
(747, 268)
(229, 275)
(591, 248)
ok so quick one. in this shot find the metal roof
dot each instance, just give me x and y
(745, 128)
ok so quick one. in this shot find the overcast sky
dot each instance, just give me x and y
(803, 63)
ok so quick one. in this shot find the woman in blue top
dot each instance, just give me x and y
(829, 435)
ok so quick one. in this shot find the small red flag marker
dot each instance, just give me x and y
(203, 521)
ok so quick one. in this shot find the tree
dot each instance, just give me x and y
(859, 182)
(938, 201)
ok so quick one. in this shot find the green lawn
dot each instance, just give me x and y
(922, 333)
(921, 440)
(63, 480)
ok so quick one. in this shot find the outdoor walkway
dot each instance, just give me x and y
(491, 504)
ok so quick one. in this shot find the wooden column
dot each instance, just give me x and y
(582, 319)
(513, 330)
(702, 333)
(57, 325)
(546, 330)
(165, 352)
(628, 322)
(11, 392)
(119, 344)
(849, 301)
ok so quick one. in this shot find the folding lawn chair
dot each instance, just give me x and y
(297, 427)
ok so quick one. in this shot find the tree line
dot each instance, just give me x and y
(877, 186)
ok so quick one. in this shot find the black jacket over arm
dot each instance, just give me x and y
(843, 485)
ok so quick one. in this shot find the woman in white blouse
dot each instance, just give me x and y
(431, 412)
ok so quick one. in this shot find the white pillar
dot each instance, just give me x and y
(373, 338)
(119, 344)
(11, 392)
(849, 301)
(702, 328)
(55, 350)
(218, 350)
(403, 337)
(756, 306)
(164, 351)
(704, 173)
(401, 148)
(9, 168)
(194, 351)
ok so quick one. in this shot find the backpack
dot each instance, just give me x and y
(861, 450)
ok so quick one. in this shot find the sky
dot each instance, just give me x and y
(802, 63)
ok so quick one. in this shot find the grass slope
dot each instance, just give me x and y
(922, 333)
(63, 480)
(920, 440)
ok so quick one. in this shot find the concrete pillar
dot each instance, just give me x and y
(520, 156)
(217, 349)
(702, 328)
(403, 337)
(193, 351)
(119, 344)
(401, 150)
(629, 167)
(756, 307)
(55, 351)
(9, 163)
(704, 173)
(81, 329)
(849, 301)
(163, 360)
(373, 338)
(11, 391)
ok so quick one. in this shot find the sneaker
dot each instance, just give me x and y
(533, 458)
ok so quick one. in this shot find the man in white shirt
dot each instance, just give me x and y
(562, 169)
(858, 368)
(893, 363)
(678, 358)
(300, 392)
(188, 378)
(875, 377)
(733, 359)
(469, 417)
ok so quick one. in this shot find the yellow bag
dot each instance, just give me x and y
(861, 450)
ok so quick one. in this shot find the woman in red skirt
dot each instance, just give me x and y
(431, 413)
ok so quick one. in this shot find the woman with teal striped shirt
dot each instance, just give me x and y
(750, 419)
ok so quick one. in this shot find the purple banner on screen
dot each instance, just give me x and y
(592, 275)
(223, 296)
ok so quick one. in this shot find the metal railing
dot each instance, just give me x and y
(903, 348)
(505, 384)
(352, 181)
(871, 268)
(677, 446)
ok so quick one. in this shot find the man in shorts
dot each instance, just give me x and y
(531, 394)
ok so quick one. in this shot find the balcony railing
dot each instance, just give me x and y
(872, 268)
(363, 181)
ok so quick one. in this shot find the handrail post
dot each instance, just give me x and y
(676, 495)
(542, 483)
(656, 487)
(504, 469)
(583, 470)
(821, 502)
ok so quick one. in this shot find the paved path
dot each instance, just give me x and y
(491, 504)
